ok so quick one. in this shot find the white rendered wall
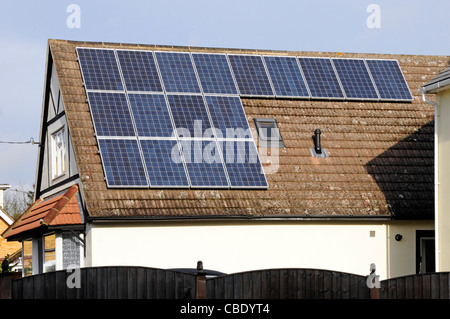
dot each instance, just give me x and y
(235, 247)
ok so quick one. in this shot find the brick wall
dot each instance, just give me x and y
(7, 247)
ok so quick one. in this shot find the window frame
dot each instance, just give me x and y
(59, 161)
(268, 123)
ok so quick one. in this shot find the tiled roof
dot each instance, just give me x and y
(56, 211)
(380, 164)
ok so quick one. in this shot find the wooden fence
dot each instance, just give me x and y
(152, 283)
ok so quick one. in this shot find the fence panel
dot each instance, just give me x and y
(107, 283)
(422, 286)
(288, 284)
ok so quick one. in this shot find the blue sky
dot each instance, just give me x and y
(406, 27)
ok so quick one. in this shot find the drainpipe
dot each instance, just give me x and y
(436, 179)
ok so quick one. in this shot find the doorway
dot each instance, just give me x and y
(425, 251)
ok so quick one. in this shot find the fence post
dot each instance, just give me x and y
(373, 283)
(200, 282)
(374, 293)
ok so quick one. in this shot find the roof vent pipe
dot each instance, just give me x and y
(317, 150)
(316, 138)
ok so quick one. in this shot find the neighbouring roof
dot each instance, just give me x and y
(380, 164)
(5, 216)
(438, 82)
(56, 211)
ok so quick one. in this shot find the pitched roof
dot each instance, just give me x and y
(56, 211)
(380, 164)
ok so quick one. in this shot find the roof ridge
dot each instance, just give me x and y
(60, 205)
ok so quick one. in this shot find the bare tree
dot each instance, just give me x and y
(17, 200)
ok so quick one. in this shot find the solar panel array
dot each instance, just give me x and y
(175, 119)
(163, 119)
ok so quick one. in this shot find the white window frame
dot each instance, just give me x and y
(59, 150)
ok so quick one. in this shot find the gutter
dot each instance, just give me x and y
(434, 87)
(237, 218)
(436, 178)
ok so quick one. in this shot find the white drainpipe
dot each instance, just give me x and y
(436, 179)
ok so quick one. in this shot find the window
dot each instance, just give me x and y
(27, 251)
(59, 153)
(71, 250)
(49, 253)
(268, 132)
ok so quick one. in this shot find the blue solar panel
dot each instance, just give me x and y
(214, 73)
(189, 114)
(355, 79)
(139, 71)
(122, 163)
(250, 75)
(151, 115)
(287, 79)
(243, 165)
(228, 117)
(99, 69)
(203, 163)
(111, 114)
(164, 164)
(389, 80)
(177, 72)
(321, 78)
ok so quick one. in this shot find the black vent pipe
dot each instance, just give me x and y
(316, 138)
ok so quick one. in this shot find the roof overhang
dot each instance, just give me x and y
(439, 83)
(437, 87)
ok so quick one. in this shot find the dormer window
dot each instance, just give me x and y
(268, 132)
(59, 153)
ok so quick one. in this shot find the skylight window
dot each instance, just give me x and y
(268, 132)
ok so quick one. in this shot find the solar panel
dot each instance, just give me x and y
(287, 79)
(214, 73)
(203, 163)
(250, 75)
(110, 114)
(228, 117)
(151, 115)
(122, 163)
(243, 165)
(355, 79)
(99, 69)
(177, 72)
(164, 164)
(189, 114)
(321, 78)
(389, 80)
(139, 71)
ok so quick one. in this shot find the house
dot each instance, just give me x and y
(11, 249)
(436, 92)
(344, 140)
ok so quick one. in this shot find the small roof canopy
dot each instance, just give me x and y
(62, 210)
